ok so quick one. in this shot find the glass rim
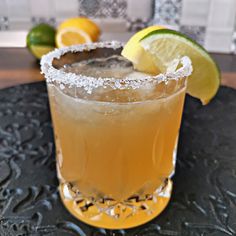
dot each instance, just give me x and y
(89, 83)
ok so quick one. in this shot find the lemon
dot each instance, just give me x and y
(134, 52)
(71, 36)
(77, 31)
(41, 40)
(165, 45)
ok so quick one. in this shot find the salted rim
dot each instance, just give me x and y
(89, 83)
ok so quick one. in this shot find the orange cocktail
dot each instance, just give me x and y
(116, 133)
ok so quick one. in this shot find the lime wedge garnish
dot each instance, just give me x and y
(165, 45)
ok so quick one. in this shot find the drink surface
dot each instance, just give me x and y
(115, 143)
(114, 66)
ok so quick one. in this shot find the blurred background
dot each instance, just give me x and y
(211, 22)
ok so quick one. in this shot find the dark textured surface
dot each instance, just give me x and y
(204, 197)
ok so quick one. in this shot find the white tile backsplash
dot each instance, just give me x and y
(15, 24)
(112, 25)
(195, 12)
(141, 9)
(65, 9)
(42, 8)
(18, 10)
(219, 40)
(3, 8)
(210, 22)
(222, 14)
(220, 25)
(120, 36)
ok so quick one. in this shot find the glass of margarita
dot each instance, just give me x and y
(116, 133)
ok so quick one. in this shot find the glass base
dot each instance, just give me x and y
(110, 214)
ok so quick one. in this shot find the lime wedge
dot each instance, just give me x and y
(165, 45)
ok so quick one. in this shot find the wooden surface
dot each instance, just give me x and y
(18, 66)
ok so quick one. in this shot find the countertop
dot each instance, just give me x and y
(18, 66)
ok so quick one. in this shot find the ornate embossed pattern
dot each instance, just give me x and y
(204, 197)
(134, 25)
(195, 32)
(39, 20)
(103, 8)
(4, 23)
(116, 9)
(167, 12)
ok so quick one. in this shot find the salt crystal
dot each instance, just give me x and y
(88, 83)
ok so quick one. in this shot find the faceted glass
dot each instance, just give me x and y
(116, 133)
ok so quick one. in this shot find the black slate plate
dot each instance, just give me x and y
(204, 197)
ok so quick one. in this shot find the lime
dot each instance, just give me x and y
(165, 45)
(41, 40)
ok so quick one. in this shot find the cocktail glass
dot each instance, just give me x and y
(116, 133)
